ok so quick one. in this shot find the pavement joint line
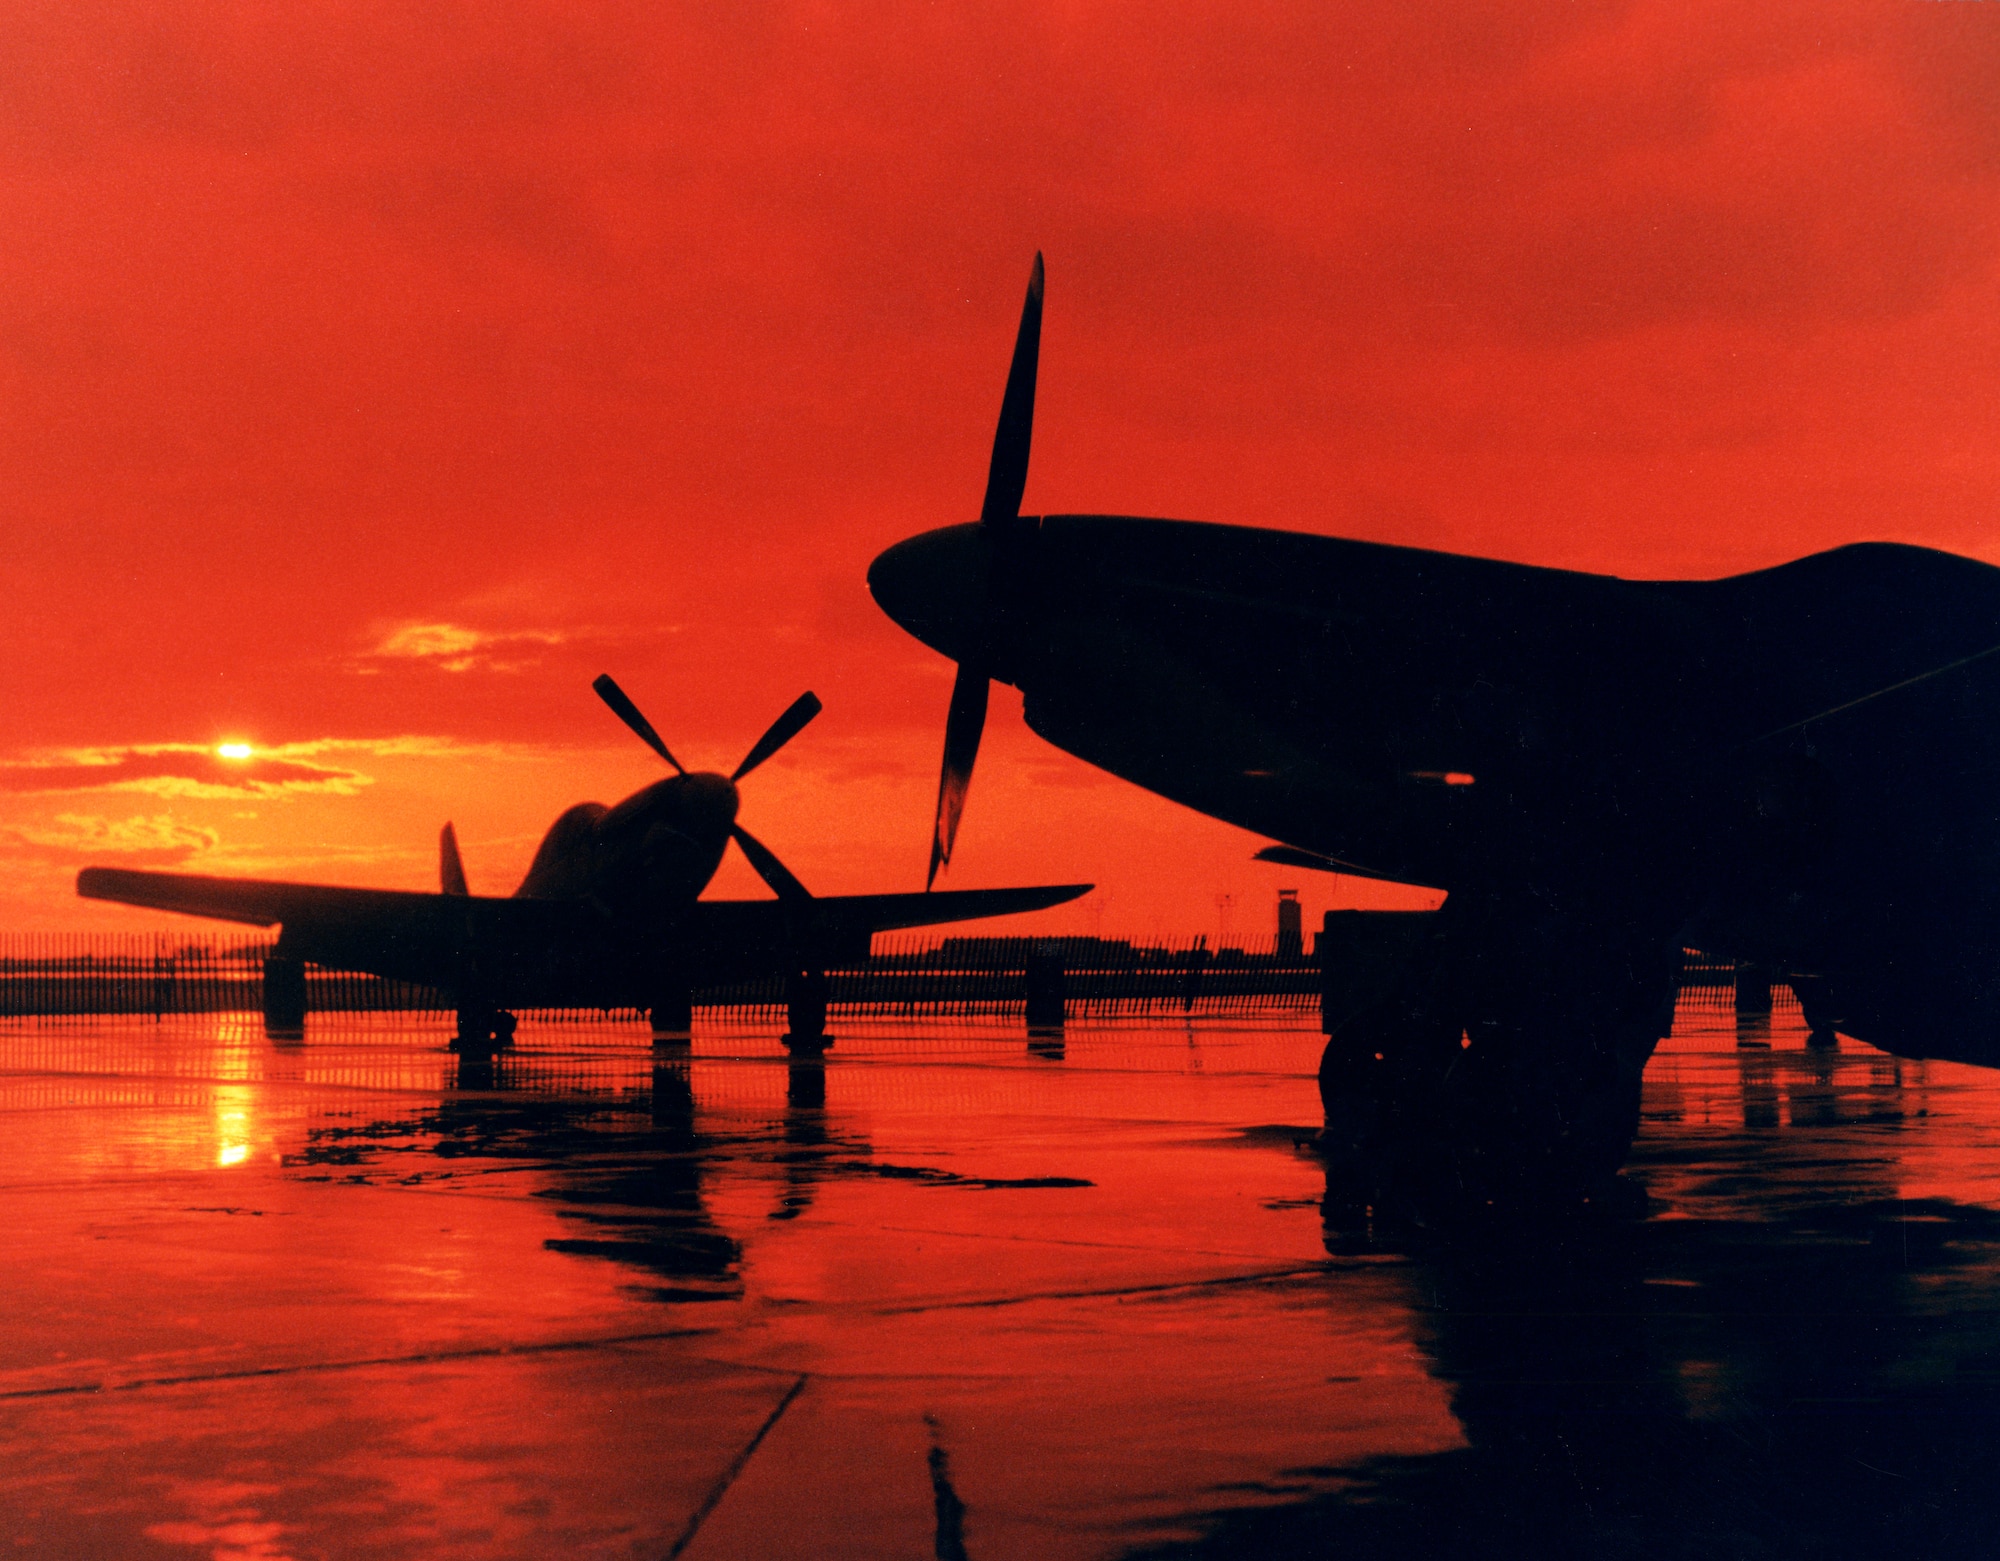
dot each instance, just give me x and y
(729, 1475)
(1050, 1241)
(860, 1374)
(304, 1368)
(1110, 1293)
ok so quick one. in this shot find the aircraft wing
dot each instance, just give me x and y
(757, 933)
(547, 951)
(252, 901)
(391, 932)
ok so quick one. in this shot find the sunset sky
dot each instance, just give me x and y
(375, 375)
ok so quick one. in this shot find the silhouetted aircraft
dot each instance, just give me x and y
(609, 914)
(1798, 767)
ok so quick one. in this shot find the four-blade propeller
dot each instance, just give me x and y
(781, 731)
(1005, 536)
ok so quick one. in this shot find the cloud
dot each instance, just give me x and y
(179, 770)
(159, 838)
(654, 317)
(410, 745)
(452, 647)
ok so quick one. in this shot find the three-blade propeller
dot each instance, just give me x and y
(781, 731)
(1000, 525)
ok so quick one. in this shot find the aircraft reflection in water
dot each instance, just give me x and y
(626, 1173)
(1795, 767)
(634, 1188)
(1778, 1375)
(1609, 1411)
(1612, 1386)
(609, 914)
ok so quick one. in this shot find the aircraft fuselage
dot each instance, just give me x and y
(643, 860)
(1799, 764)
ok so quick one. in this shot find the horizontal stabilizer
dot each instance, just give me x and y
(894, 912)
(744, 936)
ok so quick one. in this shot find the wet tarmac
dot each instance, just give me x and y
(950, 1296)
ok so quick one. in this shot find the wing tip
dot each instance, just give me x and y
(102, 883)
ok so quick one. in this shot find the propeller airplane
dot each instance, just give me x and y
(1797, 767)
(609, 914)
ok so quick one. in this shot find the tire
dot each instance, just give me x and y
(1508, 1070)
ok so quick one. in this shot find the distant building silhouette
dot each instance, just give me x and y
(1291, 936)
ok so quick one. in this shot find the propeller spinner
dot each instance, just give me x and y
(781, 731)
(1004, 534)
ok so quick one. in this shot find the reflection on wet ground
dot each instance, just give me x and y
(953, 1295)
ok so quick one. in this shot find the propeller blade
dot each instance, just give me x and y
(451, 871)
(1006, 481)
(626, 711)
(782, 731)
(962, 728)
(769, 868)
(1007, 478)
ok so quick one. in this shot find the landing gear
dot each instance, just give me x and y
(672, 1014)
(1047, 992)
(805, 1010)
(483, 1031)
(1503, 1067)
(284, 998)
(1820, 1016)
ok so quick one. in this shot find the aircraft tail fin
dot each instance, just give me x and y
(451, 871)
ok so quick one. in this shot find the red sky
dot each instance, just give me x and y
(375, 375)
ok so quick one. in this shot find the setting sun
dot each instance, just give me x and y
(233, 750)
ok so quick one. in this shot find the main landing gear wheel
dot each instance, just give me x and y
(671, 1014)
(483, 1031)
(805, 1011)
(1504, 1069)
(284, 998)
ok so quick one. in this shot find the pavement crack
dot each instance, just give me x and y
(742, 1460)
(1220, 1281)
(304, 1368)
